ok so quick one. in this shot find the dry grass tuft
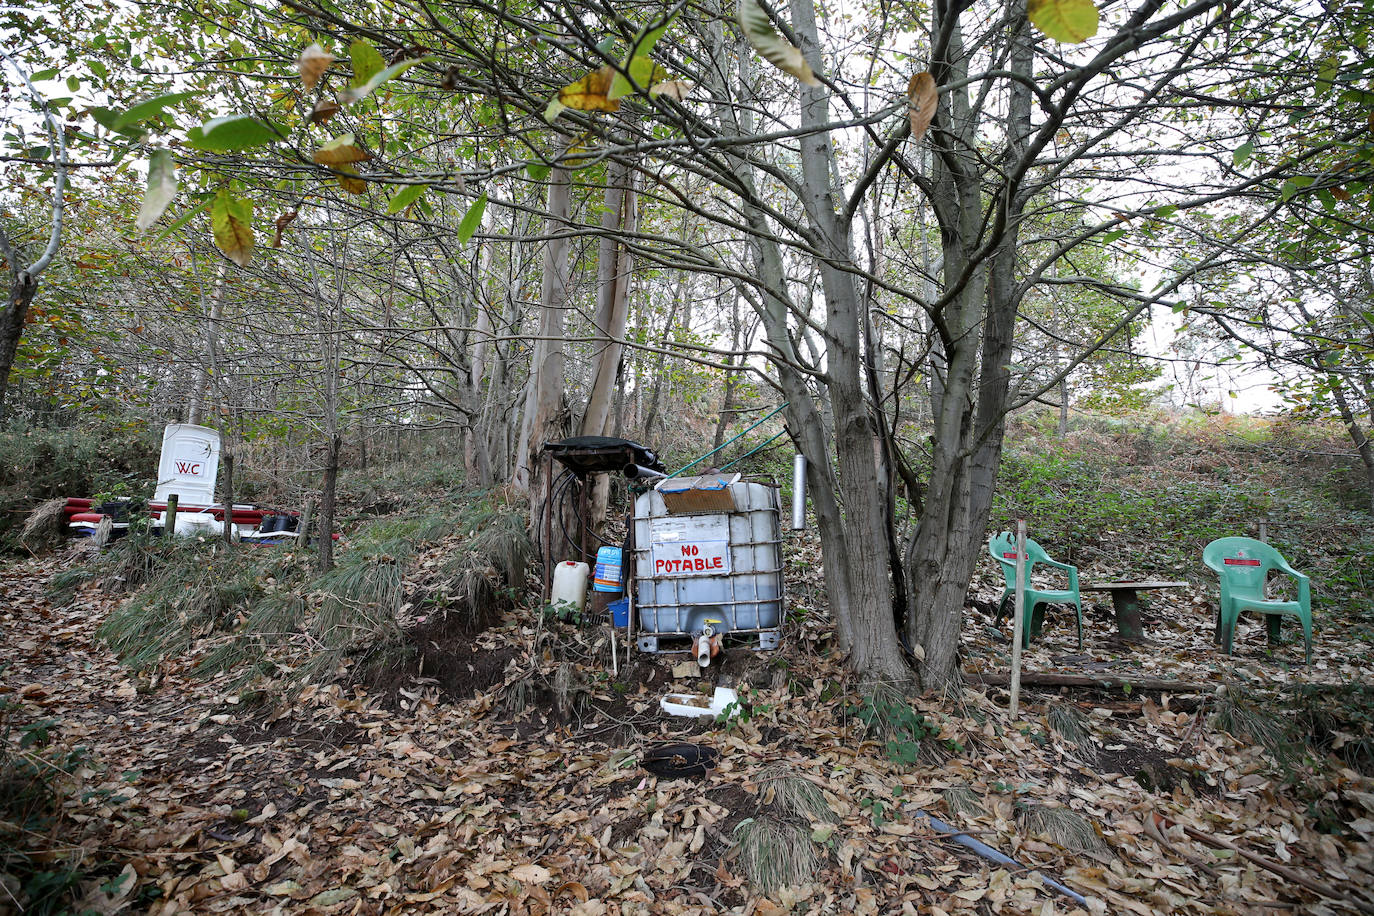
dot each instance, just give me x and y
(1069, 722)
(792, 797)
(962, 802)
(1062, 827)
(776, 854)
(1250, 723)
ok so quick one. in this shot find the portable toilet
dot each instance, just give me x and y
(707, 553)
(189, 465)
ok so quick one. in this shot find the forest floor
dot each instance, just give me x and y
(490, 782)
(501, 772)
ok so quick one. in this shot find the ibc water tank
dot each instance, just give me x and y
(696, 567)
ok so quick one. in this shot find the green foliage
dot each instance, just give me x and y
(44, 462)
(887, 714)
(41, 867)
(1098, 495)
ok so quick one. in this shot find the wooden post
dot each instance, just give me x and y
(303, 535)
(169, 517)
(1264, 529)
(548, 527)
(1018, 624)
(228, 498)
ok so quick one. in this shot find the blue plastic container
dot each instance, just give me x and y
(607, 577)
(620, 612)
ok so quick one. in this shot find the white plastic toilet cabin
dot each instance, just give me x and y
(189, 465)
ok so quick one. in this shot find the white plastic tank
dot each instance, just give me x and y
(189, 465)
(569, 585)
(718, 568)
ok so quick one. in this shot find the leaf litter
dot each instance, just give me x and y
(502, 775)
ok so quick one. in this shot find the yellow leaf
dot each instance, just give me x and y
(340, 151)
(778, 51)
(352, 185)
(231, 220)
(313, 62)
(923, 98)
(591, 92)
(1068, 21)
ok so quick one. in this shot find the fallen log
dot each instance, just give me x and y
(1100, 681)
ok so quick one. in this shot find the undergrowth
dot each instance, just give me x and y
(1145, 496)
(261, 611)
(42, 869)
(110, 457)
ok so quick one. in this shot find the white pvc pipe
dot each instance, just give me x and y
(798, 492)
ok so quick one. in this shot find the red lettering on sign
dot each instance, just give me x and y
(689, 550)
(1240, 561)
(188, 467)
(1010, 556)
(716, 563)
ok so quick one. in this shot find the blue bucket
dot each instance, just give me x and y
(620, 612)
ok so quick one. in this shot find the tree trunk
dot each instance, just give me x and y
(324, 560)
(200, 387)
(22, 290)
(548, 364)
(613, 294)
(867, 606)
(967, 442)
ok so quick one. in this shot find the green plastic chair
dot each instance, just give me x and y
(1003, 549)
(1243, 565)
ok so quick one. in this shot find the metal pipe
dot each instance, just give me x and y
(636, 471)
(798, 491)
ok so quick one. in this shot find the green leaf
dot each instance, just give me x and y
(639, 52)
(1294, 185)
(643, 71)
(232, 133)
(366, 61)
(349, 96)
(1242, 153)
(779, 52)
(1069, 21)
(472, 219)
(145, 110)
(186, 217)
(232, 221)
(44, 75)
(405, 197)
(537, 171)
(162, 188)
(1113, 236)
(554, 109)
(73, 84)
(99, 69)
(1165, 212)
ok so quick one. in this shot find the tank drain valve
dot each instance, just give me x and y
(707, 644)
